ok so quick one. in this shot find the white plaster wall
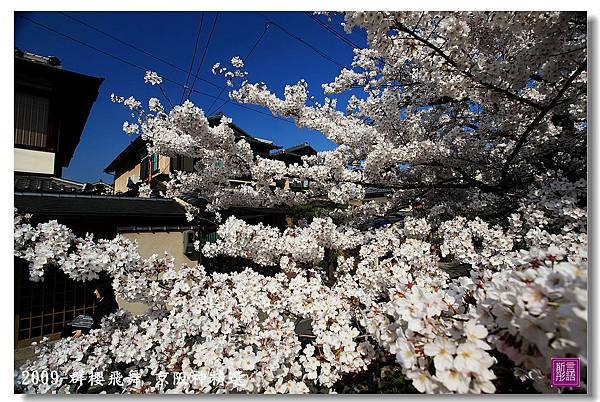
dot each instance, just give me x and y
(30, 161)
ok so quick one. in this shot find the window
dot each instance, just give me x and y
(32, 127)
(149, 163)
(182, 163)
(176, 163)
(43, 308)
(211, 237)
(154, 161)
(299, 185)
(144, 168)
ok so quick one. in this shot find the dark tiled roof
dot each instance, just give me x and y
(46, 60)
(193, 200)
(216, 119)
(383, 221)
(47, 184)
(377, 192)
(137, 229)
(136, 147)
(199, 202)
(50, 204)
(294, 154)
(293, 150)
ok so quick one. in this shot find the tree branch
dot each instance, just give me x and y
(539, 117)
(403, 28)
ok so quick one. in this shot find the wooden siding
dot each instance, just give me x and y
(32, 113)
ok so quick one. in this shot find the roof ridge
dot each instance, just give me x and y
(87, 195)
(68, 180)
(292, 148)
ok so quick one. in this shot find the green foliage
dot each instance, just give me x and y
(394, 382)
(312, 209)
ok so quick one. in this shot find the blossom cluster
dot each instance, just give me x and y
(391, 297)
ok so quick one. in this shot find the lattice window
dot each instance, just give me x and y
(42, 308)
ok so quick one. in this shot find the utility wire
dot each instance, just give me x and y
(203, 54)
(245, 58)
(144, 69)
(299, 39)
(193, 58)
(81, 42)
(342, 37)
(269, 22)
(333, 31)
(126, 44)
(98, 50)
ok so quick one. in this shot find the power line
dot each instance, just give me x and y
(103, 52)
(299, 39)
(129, 45)
(81, 42)
(204, 54)
(271, 22)
(342, 37)
(193, 58)
(333, 31)
(245, 58)
(142, 68)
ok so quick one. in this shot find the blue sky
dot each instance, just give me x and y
(277, 60)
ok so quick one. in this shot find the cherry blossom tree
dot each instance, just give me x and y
(474, 122)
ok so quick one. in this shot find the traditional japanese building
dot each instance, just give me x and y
(290, 156)
(134, 166)
(52, 105)
(51, 108)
